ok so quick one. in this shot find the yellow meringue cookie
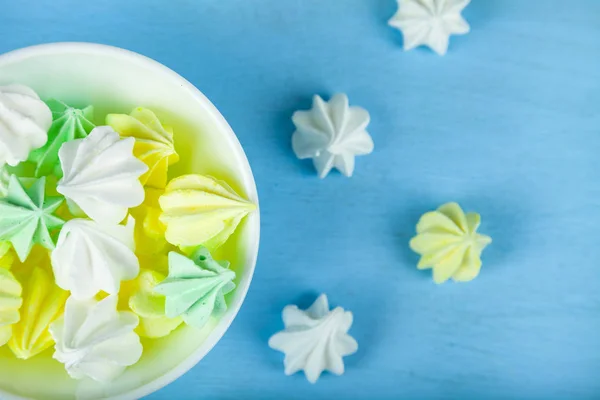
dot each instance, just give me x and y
(39, 256)
(448, 242)
(156, 262)
(10, 302)
(200, 210)
(7, 255)
(43, 303)
(150, 306)
(149, 231)
(153, 143)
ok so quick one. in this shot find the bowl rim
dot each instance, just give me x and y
(248, 183)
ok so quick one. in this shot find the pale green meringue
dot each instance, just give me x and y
(196, 286)
(27, 216)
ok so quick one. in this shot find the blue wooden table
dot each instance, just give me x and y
(507, 124)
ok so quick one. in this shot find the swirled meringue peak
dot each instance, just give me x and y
(315, 340)
(7, 255)
(448, 242)
(24, 123)
(149, 231)
(153, 143)
(101, 175)
(200, 210)
(90, 257)
(150, 306)
(28, 217)
(10, 302)
(332, 133)
(68, 123)
(196, 287)
(95, 340)
(430, 22)
(43, 303)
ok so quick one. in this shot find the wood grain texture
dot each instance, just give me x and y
(507, 124)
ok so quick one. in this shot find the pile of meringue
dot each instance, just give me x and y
(97, 247)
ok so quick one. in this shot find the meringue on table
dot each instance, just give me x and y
(332, 134)
(448, 242)
(315, 340)
(430, 22)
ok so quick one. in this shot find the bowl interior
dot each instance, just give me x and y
(116, 81)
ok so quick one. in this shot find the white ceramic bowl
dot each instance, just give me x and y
(116, 80)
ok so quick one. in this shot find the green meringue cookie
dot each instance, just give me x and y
(27, 216)
(195, 287)
(68, 123)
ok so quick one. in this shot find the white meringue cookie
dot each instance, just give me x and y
(24, 123)
(332, 134)
(90, 257)
(101, 175)
(430, 22)
(95, 340)
(315, 340)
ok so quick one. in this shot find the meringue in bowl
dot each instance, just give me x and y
(117, 81)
